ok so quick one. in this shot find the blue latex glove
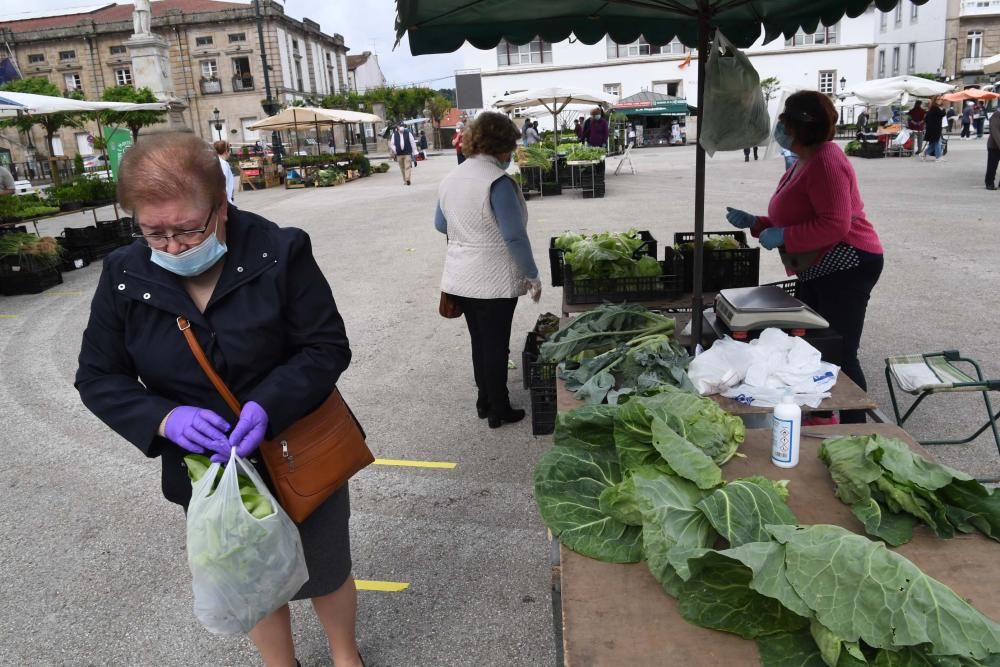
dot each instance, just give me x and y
(197, 429)
(740, 219)
(772, 237)
(249, 432)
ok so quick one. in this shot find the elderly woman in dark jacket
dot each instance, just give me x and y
(265, 315)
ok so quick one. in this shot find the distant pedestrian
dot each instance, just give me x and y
(530, 135)
(676, 138)
(578, 128)
(222, 149)
(966, 122)
(862, 122)
(596, 129)
(631, 134)
(746, 154)
(993, 151)
(917, 124)
(456, 141)
(979, 119)
(935, 114)
(6, 182)
(951, 118)
(423, 140)
(403, 148)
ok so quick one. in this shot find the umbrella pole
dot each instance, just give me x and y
(697, 304)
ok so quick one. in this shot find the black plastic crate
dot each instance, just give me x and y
(80, 237)
(652, 288)
(649, 247)
(103, 249)
(27, 275)
(72, 260)
(536, 374)
(721, 269)
(543, 411)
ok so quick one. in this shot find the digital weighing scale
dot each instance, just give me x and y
(743, 310)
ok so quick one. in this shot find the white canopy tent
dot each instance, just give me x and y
(292, 118)
(992, 64)
(568, 113)
(898, 89)
(13, 104)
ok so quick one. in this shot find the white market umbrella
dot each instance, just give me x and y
(290, 118)
(12, 103)
(883, 92)
(992, 64)
(555, 101)
(569, 112)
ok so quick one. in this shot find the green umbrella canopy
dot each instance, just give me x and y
(441, 26)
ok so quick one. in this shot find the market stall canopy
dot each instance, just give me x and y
(553, 99)
(898, 89)
(12, 103)
(290, 117)
(573, 109)
(648, 103)
(442, 26)
(970, 94)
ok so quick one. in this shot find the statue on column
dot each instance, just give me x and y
(142, 17)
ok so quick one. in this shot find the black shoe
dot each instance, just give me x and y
(482, 411)
(991, 187)
(509, 417)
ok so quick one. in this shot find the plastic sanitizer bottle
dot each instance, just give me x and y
(785, 424)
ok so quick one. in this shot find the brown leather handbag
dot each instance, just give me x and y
(449, 306)
(313, 457)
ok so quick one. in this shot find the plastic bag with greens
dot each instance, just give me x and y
(244, 565)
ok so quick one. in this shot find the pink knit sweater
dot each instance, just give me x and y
(818, 204)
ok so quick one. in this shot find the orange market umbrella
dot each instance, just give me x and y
(969, 94)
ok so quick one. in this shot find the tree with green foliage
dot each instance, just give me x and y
(133, 120)
(927, 75)
(438, 105)
(770, 87)
(449, 94)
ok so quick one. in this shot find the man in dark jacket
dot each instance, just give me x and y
(993, 151)
(596, 129)
(934, 121)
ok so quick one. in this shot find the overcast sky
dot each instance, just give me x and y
(367, 25)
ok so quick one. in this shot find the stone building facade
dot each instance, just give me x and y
(973, 35)
(214, 60)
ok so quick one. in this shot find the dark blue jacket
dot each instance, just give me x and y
(271, 329)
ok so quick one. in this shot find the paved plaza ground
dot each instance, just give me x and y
(94, 568)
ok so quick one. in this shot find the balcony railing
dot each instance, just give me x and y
(971, 65)
(979, 7)
(242, 82)
(211, 86)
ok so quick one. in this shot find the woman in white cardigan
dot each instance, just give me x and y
(489, 263)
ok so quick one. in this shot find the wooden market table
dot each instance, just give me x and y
(616, 615)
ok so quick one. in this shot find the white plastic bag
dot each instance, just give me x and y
(733, 114)
(759, 372)
(242, 567)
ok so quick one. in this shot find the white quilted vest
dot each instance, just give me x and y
(478, 264)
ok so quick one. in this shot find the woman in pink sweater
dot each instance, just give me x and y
(817, 220)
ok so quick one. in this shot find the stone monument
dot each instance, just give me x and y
(151, 67)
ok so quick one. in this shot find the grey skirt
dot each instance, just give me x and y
(326, 541)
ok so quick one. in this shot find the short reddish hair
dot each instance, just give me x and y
(168, 167)
(810, 117)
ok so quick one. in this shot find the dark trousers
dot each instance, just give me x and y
(992, 160)
(461, 156)
(746, 154)
(979, 123)
(842, 298)
(965, 131)
(489, 323)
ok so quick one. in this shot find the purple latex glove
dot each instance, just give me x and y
(197, 429)
(249, 432)
(772, 237)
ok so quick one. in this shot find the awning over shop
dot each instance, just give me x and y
(647, 103)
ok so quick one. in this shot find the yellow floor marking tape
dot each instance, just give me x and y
(63, 293)
(7, 317)
(381, 586)
(415, 464)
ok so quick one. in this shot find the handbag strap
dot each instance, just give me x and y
(206, 365)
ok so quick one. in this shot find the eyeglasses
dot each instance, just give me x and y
(164, 239)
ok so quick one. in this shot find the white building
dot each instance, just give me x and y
(364, 72)
(831, 60)
(911, 39)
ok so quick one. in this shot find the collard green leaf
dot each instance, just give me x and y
(981, 507)
(740, 510)
(684, 458)
(852, 471)
(714, 431)
(718, 596)
(902, 497)
(619, 502)
(669, 520)
(918, 657)
(894, 528)
(568, 487)
(767, 562)
(834, 650)
(905, 465)
(790, 649)
(634, 436)
(860, 590)
(587, 427)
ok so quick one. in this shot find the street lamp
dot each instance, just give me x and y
(364, 139)
(842, 96)
(218, 122)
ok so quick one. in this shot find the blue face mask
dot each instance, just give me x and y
(192, 262)
(505, 165)
(781, 137)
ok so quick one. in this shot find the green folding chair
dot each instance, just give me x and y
(924, 374)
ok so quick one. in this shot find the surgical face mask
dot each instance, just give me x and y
(782, 137)
(194, 261)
